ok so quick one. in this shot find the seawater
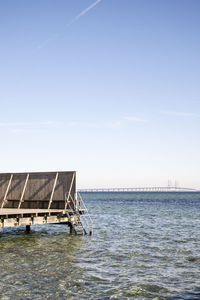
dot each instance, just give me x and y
(144, 246)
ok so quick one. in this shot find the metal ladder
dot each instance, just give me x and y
(80, 218)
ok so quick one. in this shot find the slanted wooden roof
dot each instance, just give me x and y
(37, 190)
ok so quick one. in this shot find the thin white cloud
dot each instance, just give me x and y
(28, 124)
(74, 123)
(24, 127)
(135, 119)
(178, 113)
(11, 124)
(113, 124)
(15, 131)
(18, 127)
(85, 11)
(50, 123)
(109, 123)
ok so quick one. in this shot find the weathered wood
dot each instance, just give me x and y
(69, 193)
(28, 217)
(22, 195)
(6, 193)
(38, 193)
(21, 220)
(53, 190)
(16, 211)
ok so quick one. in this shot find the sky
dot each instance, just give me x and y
(109, 88)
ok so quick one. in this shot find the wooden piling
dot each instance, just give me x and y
(28, 228)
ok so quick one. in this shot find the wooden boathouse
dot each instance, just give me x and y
(42, 198)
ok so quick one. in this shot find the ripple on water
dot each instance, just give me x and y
(145, 246)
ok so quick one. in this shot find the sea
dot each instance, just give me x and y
(145, 245)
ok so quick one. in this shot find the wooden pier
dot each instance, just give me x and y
(42, 198)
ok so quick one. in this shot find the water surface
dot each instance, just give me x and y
(145, 246)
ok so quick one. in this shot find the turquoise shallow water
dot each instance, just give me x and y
(145, 246)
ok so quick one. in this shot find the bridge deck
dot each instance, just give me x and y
(141, 189)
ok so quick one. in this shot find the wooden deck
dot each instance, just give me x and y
(11, 217)
(16, 211)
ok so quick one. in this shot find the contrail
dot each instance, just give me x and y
(85, 11)
(81, 14)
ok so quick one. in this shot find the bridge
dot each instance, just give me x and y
(140, 189)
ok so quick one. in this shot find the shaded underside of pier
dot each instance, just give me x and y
(26, 217)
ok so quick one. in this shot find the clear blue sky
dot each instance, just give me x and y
(108, 88)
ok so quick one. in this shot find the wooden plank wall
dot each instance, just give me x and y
(38, 190)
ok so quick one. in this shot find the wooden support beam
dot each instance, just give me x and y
(53, 190)
(22, 195)
(7, 190)
(69, 193)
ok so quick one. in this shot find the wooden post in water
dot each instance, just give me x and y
(28, 228)
(72, 230)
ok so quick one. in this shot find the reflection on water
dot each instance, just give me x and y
(145, 246)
